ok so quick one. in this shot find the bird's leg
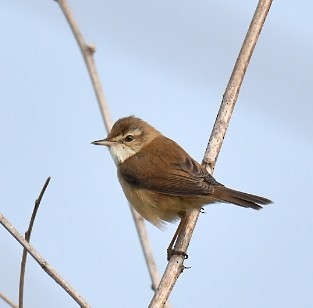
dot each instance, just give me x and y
(171, 250)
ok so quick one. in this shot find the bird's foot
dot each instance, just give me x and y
(171, 252)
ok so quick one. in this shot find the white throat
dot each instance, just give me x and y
(120, 152)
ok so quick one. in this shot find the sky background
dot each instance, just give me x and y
(167, 62)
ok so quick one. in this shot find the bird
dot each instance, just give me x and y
(160, 179)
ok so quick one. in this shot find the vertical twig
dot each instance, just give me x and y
(7, 300)
(27, 238)
(43, 263)
(87, 52)
(175, 265)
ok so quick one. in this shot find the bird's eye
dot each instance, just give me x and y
(129, 138)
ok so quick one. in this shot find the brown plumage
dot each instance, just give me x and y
(160, 179)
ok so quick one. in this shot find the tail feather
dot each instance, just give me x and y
(228, 195)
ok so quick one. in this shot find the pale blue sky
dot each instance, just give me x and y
(167, 62)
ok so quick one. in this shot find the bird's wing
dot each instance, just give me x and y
(167, 169)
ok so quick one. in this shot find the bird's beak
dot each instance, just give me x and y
(105, 142)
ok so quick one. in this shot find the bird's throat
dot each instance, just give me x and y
(120, 152)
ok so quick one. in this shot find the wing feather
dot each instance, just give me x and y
(171, 172)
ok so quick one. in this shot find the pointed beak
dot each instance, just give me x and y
(105, 142)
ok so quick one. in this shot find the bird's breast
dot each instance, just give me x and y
(156, 207)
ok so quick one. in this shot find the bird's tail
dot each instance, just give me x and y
(225, 194)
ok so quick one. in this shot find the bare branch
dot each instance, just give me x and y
(175, 265)
(43, 263)
(153, 272)
(87, 52)
(27, 238)
(232, 90)
(7, 300)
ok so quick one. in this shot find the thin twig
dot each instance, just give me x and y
(27, 238)
(175, 265)
(153, 271)
(42, 262)
(87, 52)
(7, 300)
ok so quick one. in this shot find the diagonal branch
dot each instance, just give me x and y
(87, 52)
(27, 238)
(175, 265)
(147, 250)
(7, 300)
(43, 263)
